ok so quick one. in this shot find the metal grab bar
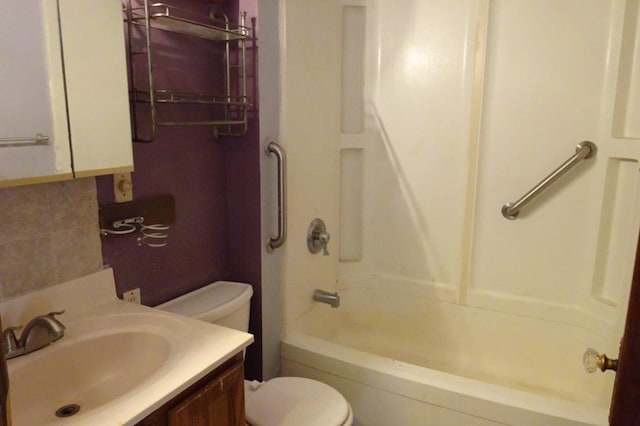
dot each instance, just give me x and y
(281, 237)
(38, 139)
(584, 150)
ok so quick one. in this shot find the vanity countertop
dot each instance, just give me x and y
(118, 361)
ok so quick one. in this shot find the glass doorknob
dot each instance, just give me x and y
(593, 361)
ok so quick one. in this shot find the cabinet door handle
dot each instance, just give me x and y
(38, 139)
(281, 237)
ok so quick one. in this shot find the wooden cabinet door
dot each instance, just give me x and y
(218, 403)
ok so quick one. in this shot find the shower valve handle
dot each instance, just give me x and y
(323, 238)
(318, 237)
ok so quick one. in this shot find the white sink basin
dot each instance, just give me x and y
(98, 361)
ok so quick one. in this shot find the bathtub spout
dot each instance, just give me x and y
(325, 297)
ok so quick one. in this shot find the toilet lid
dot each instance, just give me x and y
(295, 401)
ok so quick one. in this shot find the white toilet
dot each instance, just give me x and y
(282, 401)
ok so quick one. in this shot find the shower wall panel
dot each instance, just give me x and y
(352, 69)
(310, 124)
(420, 70)
(351, 213)
(627, 109)
(615, 222)
(550, 82)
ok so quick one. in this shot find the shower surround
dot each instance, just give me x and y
(426, 118)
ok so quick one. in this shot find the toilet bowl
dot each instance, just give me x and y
(282, 401)
(295, 401)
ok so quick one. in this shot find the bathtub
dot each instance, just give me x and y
(455, 365)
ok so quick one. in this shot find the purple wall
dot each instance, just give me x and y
(216, 187)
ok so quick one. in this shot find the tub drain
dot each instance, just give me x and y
(67, 410)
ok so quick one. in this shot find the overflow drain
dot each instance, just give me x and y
(67, 410)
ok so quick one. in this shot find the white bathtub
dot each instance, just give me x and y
(453, 365)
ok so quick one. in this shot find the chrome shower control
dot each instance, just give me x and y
(318, 237)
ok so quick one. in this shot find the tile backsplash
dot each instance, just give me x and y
(49, 234)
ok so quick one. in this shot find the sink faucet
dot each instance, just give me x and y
(38, 333)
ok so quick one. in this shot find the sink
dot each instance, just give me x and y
(118, 361)
(99, 360)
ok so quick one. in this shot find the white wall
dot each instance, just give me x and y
(308, 132)
(269, 74)
(298, 97)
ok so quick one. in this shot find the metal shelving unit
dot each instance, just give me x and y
(231, 107)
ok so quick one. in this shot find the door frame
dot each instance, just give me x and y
(625, 402)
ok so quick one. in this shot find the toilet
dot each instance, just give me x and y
(281, 401)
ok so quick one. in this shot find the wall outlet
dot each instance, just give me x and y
(132, 296)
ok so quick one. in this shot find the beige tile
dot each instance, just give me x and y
(26, 265)
(24, 212)
(77, 252)
(48, 235)
(73, 204)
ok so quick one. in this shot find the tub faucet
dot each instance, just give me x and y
(38, 333)
(325, 297)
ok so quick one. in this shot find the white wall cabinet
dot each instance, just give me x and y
(32, 97)
(96, 86)
(63, 75)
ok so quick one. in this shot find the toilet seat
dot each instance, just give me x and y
(295, 401)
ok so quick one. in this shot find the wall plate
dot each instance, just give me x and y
(122, 187)
(132, 296)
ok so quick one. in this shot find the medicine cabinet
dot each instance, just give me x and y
(64, 111)
(158, 98)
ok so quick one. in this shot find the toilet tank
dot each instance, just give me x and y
(224, 303)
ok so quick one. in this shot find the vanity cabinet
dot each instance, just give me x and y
(215, 400)
(64, 110)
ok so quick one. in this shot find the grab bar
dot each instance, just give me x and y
(584, 150)
(281, 237)
(38, 139)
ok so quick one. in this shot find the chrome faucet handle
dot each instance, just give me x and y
(40, 332)
(323, 239)
(11, 345)
(318, 237)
